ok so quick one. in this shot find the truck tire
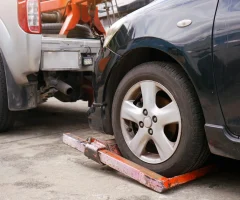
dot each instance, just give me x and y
(79, 31)
(157, 119)
(6, 116)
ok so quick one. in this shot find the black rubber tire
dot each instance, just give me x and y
(192, 151)
(79, 31)
(6, 116)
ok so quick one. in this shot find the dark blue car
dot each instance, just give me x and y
(167, 84)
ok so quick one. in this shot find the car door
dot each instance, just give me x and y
(226, 59)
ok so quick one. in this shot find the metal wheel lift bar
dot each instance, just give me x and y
(107, 153)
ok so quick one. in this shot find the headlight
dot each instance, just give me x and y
(113, 30)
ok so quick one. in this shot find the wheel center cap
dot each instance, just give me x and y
(147, 122)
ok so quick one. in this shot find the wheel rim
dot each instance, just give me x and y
(150, 122)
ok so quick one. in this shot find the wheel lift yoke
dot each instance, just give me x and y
(107, 153)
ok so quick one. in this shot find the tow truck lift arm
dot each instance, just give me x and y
(84, 11)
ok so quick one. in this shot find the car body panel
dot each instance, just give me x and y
(21, 54)
(189, 46)
(222, 142)
(226, 54)
(21, 50)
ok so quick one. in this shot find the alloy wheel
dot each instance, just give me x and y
(150, 122)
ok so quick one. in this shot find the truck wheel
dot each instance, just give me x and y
(6, 116)
(157, 120)
(79, 31)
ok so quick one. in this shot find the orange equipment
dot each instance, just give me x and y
(107, 153)
(75, 11)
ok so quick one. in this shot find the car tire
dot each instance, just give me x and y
(79, 31)
(6, 116)
(174, 141)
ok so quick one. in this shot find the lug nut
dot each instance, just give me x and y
(154, 119)
(141, 124)
(150, 131)
(145, 112)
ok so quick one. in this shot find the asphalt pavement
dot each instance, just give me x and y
(35, 164)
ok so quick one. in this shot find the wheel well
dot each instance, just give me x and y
(129, 61)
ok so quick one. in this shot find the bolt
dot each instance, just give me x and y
(145, 112)
(141, 124)
(150, 131)
(154, 119)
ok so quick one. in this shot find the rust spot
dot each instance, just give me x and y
(144, 170)
(107, 152)
(181, 179)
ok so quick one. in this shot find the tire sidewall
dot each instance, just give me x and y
(154, 72)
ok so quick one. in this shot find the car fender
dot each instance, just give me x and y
(190, 46)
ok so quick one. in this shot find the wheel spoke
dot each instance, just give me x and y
(169, 114)
(151, 120)
(139, 142)
(131, 112)
(149, 91)
(164, 146)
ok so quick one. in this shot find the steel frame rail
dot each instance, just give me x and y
(107, 153)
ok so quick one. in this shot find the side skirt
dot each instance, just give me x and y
(222, 142)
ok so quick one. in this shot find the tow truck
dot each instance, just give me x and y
(48, 49)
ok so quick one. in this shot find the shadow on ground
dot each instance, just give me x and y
(53, 116)
(49, 118)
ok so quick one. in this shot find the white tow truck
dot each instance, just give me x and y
(47, 49)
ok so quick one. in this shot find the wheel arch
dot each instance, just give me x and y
(19, 97)
(132, 59)
(143, 55)
(136, 57)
